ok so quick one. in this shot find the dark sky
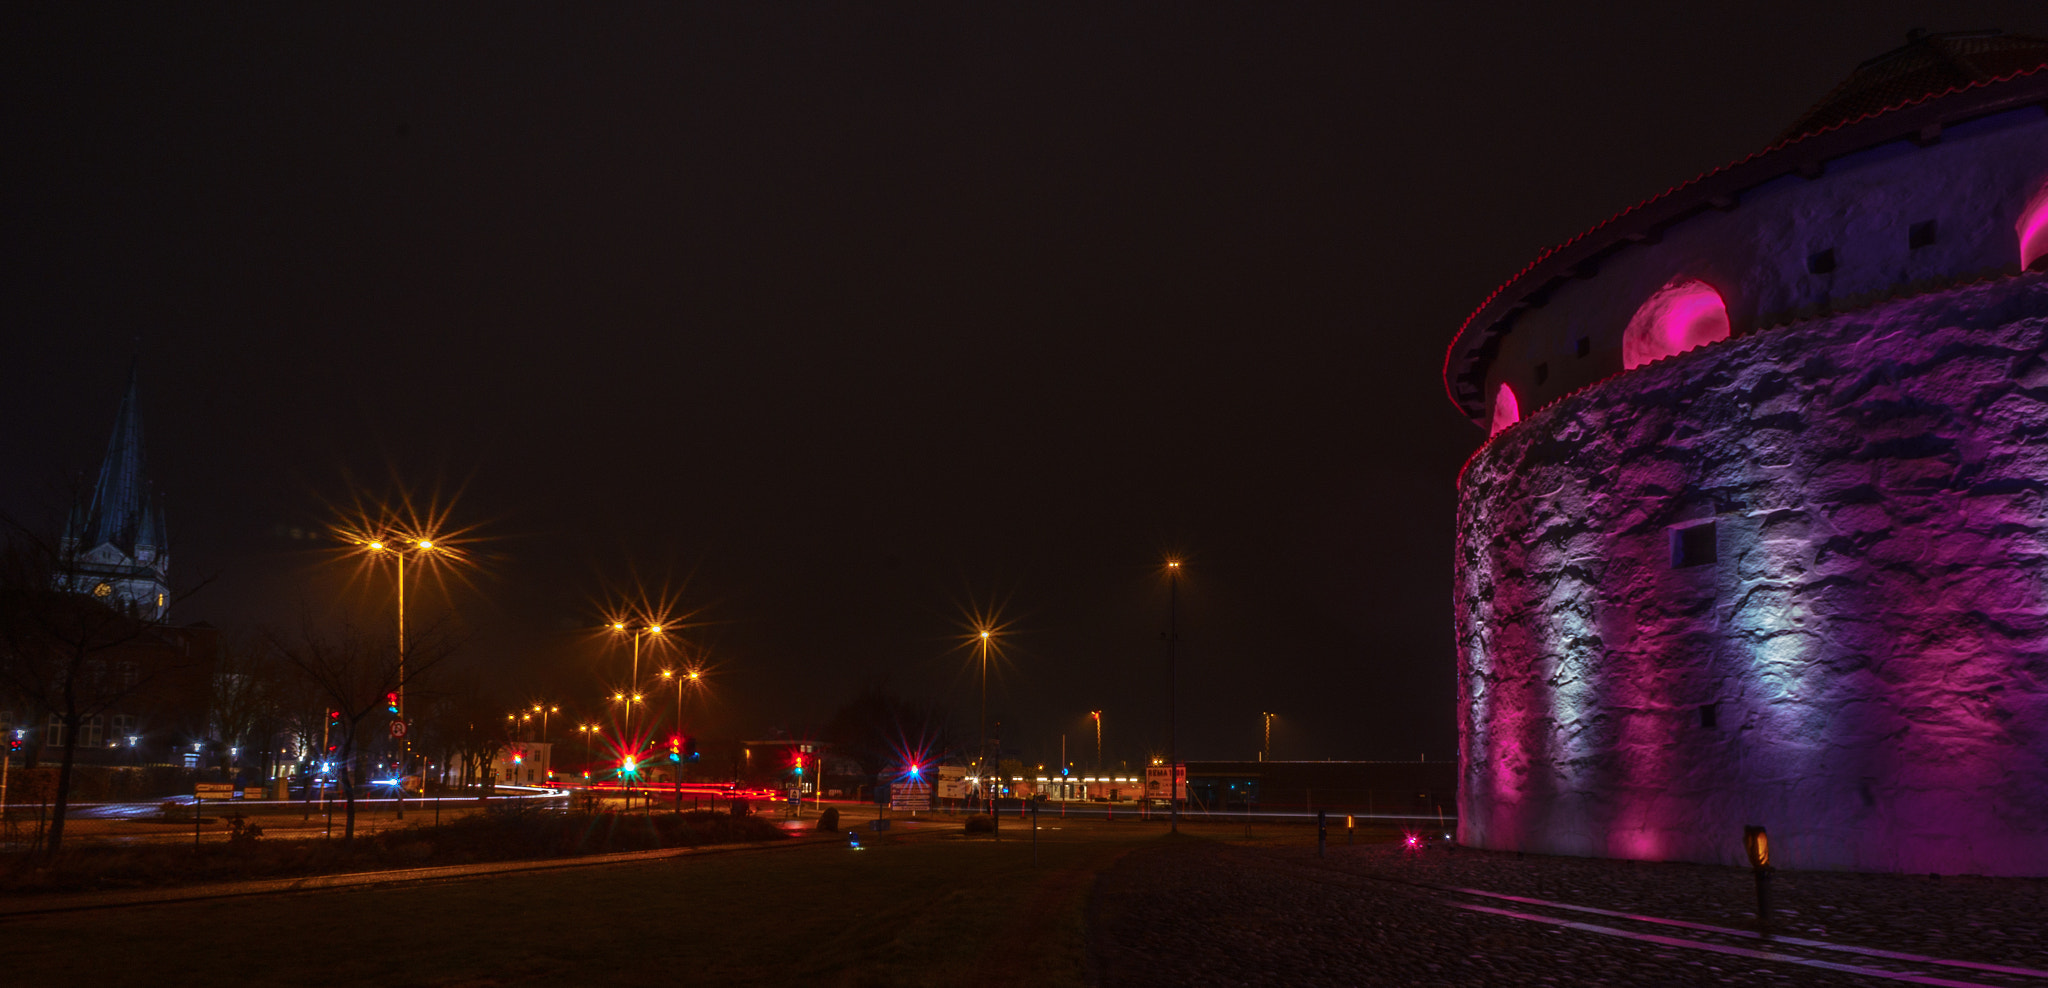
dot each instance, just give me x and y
(840, 320)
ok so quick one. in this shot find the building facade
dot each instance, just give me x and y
(1759, 534)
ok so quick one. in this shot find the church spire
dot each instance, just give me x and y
(115, 549)
(120, 500)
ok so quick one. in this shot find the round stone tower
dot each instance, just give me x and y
(1760, 535)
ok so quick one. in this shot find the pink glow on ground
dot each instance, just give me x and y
(1682, 315)
(2033, 227)
(1506, 410)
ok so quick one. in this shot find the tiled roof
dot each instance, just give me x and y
(1826, 130)
(1926, 65)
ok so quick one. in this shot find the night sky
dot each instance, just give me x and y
(837, 323)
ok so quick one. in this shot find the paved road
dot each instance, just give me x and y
(144, 821)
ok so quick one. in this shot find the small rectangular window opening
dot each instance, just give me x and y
(1542, 373)
(1692, 545)
(1585, 345)
(1920, 235)
(1821, 262)
(1709, 716)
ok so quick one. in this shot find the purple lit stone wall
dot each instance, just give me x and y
(1869, 641)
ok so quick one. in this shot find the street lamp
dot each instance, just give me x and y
(619, 627)
(398, 552)
(981, 757)
(1173, 691)
(544, 711)
(1097, 714)
(1266, 747)
(590, 735)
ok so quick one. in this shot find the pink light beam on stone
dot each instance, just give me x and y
(2033, 227)
(1684, 314)
(1506, 410)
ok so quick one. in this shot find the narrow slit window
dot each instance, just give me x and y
(1542, 373)
(1920, 235)
(1693, 545)
(1821, 262)
(1710, 716)
(1585, 345)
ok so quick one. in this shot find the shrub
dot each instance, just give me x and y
(981, 823)
(829, 820)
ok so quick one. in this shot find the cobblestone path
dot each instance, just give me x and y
(1199, 912)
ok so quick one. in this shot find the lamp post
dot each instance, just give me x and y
(676, 745)
(590, 735)
(1172, 698)
(669, 676)
(626, 731)
(981, 754)
(1097, 714)
(1266, 746)
(405, 745)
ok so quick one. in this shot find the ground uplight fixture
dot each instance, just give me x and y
(1757, 844)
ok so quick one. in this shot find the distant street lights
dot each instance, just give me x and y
(1097, 714)
(544, 710)
(1266, 747)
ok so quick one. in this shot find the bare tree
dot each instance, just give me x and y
(354, 673)
(74, 656)
(471, 723)
(244, 691)
(879, 730)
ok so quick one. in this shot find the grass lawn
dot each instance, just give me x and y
(929, 909)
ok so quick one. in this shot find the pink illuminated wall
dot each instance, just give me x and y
(2033, 228)
(1852, 658)
(1684, 314)
(1506, 410)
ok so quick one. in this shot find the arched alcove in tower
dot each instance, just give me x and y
(1684, 314)
(1506, 410)
(2033, 228)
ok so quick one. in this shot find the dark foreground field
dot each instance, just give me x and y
(1110, 904)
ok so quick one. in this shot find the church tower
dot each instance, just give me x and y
(114, 548)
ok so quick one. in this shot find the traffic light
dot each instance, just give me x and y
(675, 749)
(799, 765)
(334, 720)
(391, 702)
(689, 749)
(14, 744)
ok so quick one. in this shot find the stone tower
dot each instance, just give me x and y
(1760, 533)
